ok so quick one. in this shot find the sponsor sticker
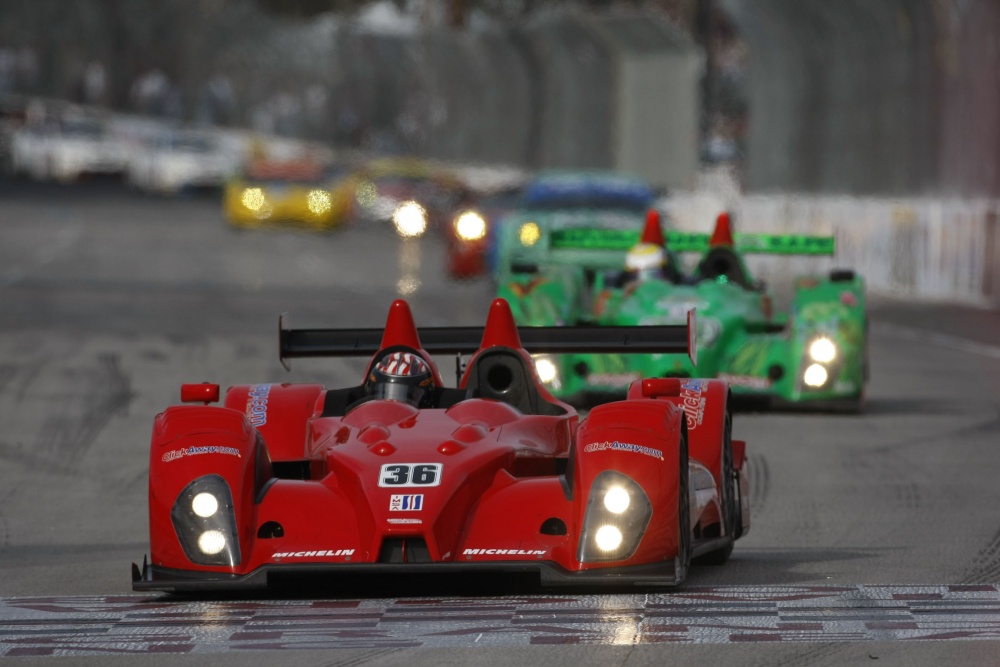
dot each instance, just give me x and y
(406, 503)
(257, 404)
(503, 552)
(404, 521)
(693, 402)
(622, 447)
(175, 454)
(313, 554)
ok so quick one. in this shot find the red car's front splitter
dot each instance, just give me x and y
(153, 578)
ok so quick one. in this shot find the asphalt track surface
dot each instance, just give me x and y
(875, 537)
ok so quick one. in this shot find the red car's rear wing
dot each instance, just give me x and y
(466, 340)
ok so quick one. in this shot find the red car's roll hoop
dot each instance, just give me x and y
(467, 340)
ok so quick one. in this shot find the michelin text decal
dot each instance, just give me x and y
(503, 552)
(313, 554)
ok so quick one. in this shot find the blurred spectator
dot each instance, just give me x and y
(8, 70)
(149, 93)
(27, 70)
(95, 83)
(316, 102)
(217, 103)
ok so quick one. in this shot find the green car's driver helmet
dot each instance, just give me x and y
(645, 261)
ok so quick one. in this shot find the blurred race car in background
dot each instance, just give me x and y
(173, 160)
(65, 147)
(472, 229)
(300, 191)
(560, 199)
(13, 115)
(409, 195)
(399, 475)
(815, 355)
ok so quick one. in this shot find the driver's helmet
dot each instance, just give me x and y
(645, 261)
(401, 376)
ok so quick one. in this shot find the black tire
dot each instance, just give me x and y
(730, 500)
(683, 510)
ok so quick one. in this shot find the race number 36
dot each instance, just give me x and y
(410, 474)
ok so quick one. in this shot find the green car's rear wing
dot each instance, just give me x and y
(592, 239)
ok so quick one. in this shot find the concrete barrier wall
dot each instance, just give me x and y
(562, 88)
(865, 97)
(566, 90)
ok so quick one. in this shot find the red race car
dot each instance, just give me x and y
(400, 474)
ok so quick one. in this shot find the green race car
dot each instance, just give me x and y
(814, 354)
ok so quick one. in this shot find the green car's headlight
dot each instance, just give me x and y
(546, 368)
(815, 376)
(822, 350)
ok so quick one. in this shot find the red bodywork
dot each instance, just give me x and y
(466, 259)
(504, 477)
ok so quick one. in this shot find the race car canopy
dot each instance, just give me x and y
(500, 330)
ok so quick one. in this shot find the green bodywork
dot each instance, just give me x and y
(569, 276)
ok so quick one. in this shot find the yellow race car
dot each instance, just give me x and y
(299, 192)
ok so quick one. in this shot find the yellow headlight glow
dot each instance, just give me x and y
(253, 199)
(366, 193)
(318, 201)
(530, 233)
(470, 226)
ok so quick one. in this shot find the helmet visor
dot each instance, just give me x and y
(398, 391)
